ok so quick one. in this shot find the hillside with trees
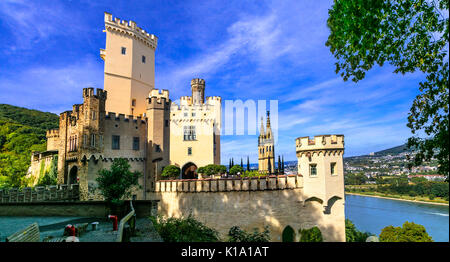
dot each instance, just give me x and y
(22, 131)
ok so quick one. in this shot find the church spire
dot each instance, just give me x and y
(268, 120)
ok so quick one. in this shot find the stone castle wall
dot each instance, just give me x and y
(276, 202)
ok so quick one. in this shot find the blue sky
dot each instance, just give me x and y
(260, 50)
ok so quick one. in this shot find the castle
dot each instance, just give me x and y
(131, 119)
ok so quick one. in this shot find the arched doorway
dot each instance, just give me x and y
(189, 171)
(73, 175)
(288, 234)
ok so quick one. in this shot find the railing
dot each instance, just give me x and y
(131, 219)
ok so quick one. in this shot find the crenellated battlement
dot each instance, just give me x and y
(334, 142)
(52, 133)
(131, 29)
(158, 96)
(198, 82)
(89, 92)
(225, 185)
(122, 118)
(164, 93)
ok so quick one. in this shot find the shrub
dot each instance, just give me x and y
(117, 183)
(212, 169)
(236, 234)
(184, 230)
(311, 235)
(236, 169)
(410, 232)
(171, 171)
(431, 196)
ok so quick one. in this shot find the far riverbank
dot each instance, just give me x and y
(401, 199)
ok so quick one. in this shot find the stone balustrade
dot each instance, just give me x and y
(230, 184)
(40, 193)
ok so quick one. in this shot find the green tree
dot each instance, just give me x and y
(410, 232)
(236, 234)
(411, 36)
(311, 235)
(236, 169)
(171, 171)
(352, 234)
(118, 182)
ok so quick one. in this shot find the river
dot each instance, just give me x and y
(372, 214)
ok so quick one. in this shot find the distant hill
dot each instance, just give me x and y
(21, 132)
(394, 150)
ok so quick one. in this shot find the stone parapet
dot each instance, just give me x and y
(40, 194)
(283, 182)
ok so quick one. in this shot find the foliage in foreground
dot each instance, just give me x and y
(410, 232)
(311, 235)
(411, 36)
(118, 182)
(236, 234)
(352, 234)
(184, 230)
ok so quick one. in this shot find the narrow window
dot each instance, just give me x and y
(92, 140)
(185, 114)
(135, 143)
(115, 142)
(313, 170)
(333, 169)
(143, 59)
(124, 50)
(93, 115)
(193, 114)
(189, 151)
(133, 102)
(157, 148)
(100, 140)
(85, 140)
(167, 123)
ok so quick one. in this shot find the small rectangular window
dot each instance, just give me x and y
(133, 102)
(143, 59)
(115, 142)
(157, 148)
(189, 151)
(185, 114)
(124, 50)
(313, 170)
(135, 143)
(333, 169)
(100, 140)
(193, 114)
(85, 140)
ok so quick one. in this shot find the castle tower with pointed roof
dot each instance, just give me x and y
(266, 148)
